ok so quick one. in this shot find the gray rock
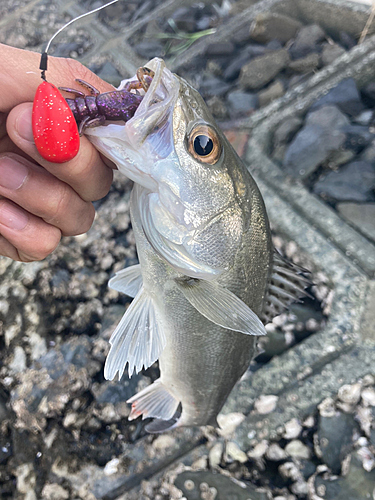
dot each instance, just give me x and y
(297, 449)
(307, 40)
(302, 157)
(307, 468)
(273, 91)
(116, 391)
(364, 118)
(76, 352)
(274, 45)
(357, 137)
(372, 437)
(60, 283)
(220, 49)
(335, 439)
(356, 485)
(232, 71)
(368, 154)
(148, 50)
(242, 35)
(297, 80)
(328, 117)
(368, 92)
(18, 363)
(217, 107)
(111, 318)
(347, 41)
(287, 130)
(66, 49)
(331, 52)
(241, 103)
(214, 86)
(305, 64)
(44, 390)
(5, 451)
(345, 95)
(195, 484)
(340, 157)
(362, 216)
(273, 344)
(278, 153)
(353, 182)
(184, 19)
(322, 127)
(268, 26)
(87, 316)
(263, 69)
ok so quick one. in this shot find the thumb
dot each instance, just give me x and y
(20, 75)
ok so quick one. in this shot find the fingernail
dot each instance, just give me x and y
(13, 216)
(23, 125)
(12, 173)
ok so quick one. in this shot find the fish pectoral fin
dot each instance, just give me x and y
(127, 281)
(221, 306)
(138, 339)
(153, 401)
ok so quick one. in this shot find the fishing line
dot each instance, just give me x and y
(44, 56)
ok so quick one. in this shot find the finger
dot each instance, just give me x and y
(40, 193)
(20, 75)
(87, 174)
(24, 236)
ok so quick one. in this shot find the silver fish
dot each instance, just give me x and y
(208, 277)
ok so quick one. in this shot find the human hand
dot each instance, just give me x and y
(41, 201)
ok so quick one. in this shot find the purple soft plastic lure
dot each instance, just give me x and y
(93, 110)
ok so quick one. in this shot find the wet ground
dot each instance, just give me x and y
(301, 422)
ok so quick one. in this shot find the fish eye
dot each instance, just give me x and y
(204, 144)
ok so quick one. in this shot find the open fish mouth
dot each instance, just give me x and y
(148, 136)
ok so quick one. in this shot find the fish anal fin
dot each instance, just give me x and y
(153, 401)
(138, 339)
(287, 285)
(221, 306)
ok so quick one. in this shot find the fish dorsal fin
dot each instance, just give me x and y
(153, 401)
(221, 306)
(287, 285)
(138, 339)
(127, 281)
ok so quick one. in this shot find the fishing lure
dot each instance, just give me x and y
(55, 130)
(93, 110)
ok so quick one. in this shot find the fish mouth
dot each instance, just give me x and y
(147, 137)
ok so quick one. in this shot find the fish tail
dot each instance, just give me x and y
(157, 425)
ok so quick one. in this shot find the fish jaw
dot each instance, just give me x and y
(134, 146)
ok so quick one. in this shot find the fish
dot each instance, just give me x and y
(208, 277)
